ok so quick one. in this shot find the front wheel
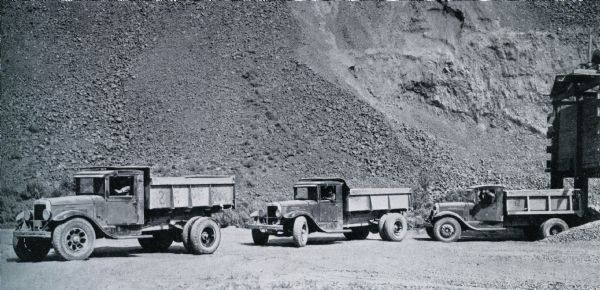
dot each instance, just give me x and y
(300, 231)
(259, 237)
(31, 249)
(74, 239)
(447, 230)
(159, 242)
(205, 236)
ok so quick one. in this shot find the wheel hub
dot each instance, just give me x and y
(76, 239)
(447, 230)
(397, 228)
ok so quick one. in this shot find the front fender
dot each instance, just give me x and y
(444, 214)
(65, 215)
(309, 217)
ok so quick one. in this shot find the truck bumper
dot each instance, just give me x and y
(32, 234)
(268, 228)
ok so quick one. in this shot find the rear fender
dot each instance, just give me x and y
(454, 215)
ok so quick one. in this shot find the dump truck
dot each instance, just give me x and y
(539, 213)
(328, 205)
(125, 202)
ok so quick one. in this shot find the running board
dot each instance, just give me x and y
(488, 229)
(133, 237)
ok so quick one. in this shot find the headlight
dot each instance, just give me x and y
(27, 215)
(46, 214)
(278, 211)
(20, 216)
(436, 208)
(261, 213)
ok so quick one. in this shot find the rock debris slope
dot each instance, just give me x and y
(378, 93)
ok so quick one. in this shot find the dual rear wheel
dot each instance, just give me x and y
(393, 227)
(200, 235)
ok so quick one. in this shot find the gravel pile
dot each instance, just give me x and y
(586, 232)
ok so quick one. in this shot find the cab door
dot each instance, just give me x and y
(123, 200)
(490, 209)
(327, 203)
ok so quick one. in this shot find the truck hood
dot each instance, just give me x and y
(294, 203)
(455, 206)
(71, 200)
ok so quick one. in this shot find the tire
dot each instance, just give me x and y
(205, 236)
(382, 232)
(395, 227)
(74, 239)
(300, 231)
(552, 227)
(531, 233)
(358, 233)
(185, 233)
(259, 237)
(159, 242)
(447, 230)
(429, 232)
(31, 249)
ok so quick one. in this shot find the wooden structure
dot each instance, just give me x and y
(574, 129)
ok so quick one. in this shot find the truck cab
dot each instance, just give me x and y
(540, 213)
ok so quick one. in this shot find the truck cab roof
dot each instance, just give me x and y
(487, 186)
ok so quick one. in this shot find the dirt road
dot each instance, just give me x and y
(329, 261)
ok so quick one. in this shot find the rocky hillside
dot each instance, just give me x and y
(379, 93)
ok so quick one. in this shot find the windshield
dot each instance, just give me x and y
(305, 193)
(90, 186)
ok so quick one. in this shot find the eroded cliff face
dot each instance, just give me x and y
(378, 93)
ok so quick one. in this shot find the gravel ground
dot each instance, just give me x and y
(329, 261)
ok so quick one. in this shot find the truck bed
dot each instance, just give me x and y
(547, 201)
(371, 199)
(191, 192)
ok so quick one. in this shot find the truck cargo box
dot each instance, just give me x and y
(190, 192)
(527, 202)
(369, 199)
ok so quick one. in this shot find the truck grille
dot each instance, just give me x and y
(38, 210)
(271, 212)
(271, 217)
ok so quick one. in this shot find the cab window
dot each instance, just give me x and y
(328, 192)
(121, 185)
(90, 186)
(305, 193)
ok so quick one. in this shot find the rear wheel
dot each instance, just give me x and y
(395, 227)
(259, 237)
(159, 242)
(205, 236)
(381, 226)
(552, 227)
(358, 233)
(31, 249)
(300, 231)
(447, 230)
(185, 233)
(74, 239)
